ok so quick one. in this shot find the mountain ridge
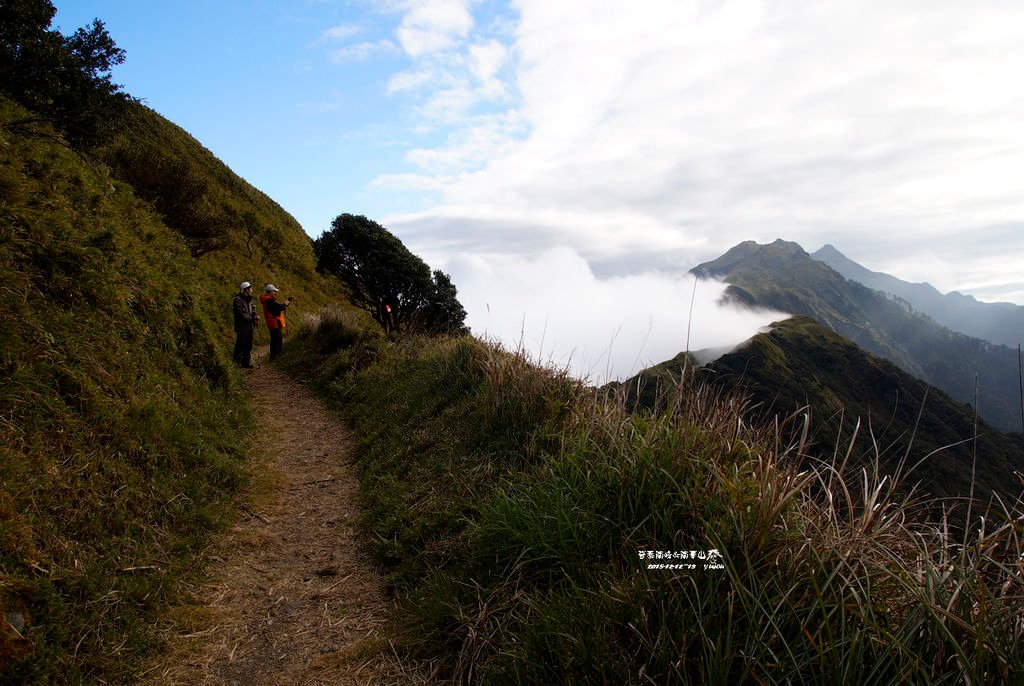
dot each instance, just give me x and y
(783, 276)
(1000, 322)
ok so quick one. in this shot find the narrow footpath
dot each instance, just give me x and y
(292, 598)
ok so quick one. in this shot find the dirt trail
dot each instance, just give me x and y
(292, 597)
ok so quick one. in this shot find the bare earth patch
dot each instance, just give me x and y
(293, 597)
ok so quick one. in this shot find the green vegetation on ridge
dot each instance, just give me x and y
(64, 81)
(510, 506)
(801, 364)
(122, 424)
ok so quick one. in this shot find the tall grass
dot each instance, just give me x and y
(122, 420)
(123, 423)
(514, 509)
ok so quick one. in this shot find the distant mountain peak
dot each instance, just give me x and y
(833, 257)
(788, 247)
(750, 251)
(828, 250)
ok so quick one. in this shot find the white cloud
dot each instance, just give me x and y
(410, 80)
(358, 52)
(487, 60)
(685, 128)
(340, 32)
(554, 307)
(434, 25)
(412, 182)
(457, 65)
(470, 147)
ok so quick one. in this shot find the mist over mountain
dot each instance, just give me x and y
(1001, 323)
(783, 276)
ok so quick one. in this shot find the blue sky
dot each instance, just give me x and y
(294, 96)
(566, 160)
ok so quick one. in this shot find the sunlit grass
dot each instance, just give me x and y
(511, 505)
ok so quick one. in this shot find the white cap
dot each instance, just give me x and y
(271, 287)
(245, 284)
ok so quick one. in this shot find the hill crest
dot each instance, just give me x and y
(801, 364)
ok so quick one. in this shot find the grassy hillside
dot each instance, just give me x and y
(800, 363)
(525, 521)
(124, 425)
(234, 230)
(782, 276)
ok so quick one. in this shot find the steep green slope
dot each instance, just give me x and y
(800, 363)
(781, 275)
(125, 429)
(235, 230)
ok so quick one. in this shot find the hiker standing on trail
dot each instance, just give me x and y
(273, 312)
(246, 321)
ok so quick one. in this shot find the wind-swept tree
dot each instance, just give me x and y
(384, 278)
(443, 313)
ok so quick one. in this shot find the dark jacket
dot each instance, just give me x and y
(246, 317)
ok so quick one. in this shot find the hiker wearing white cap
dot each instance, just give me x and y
(246, 321)
(273, 312)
